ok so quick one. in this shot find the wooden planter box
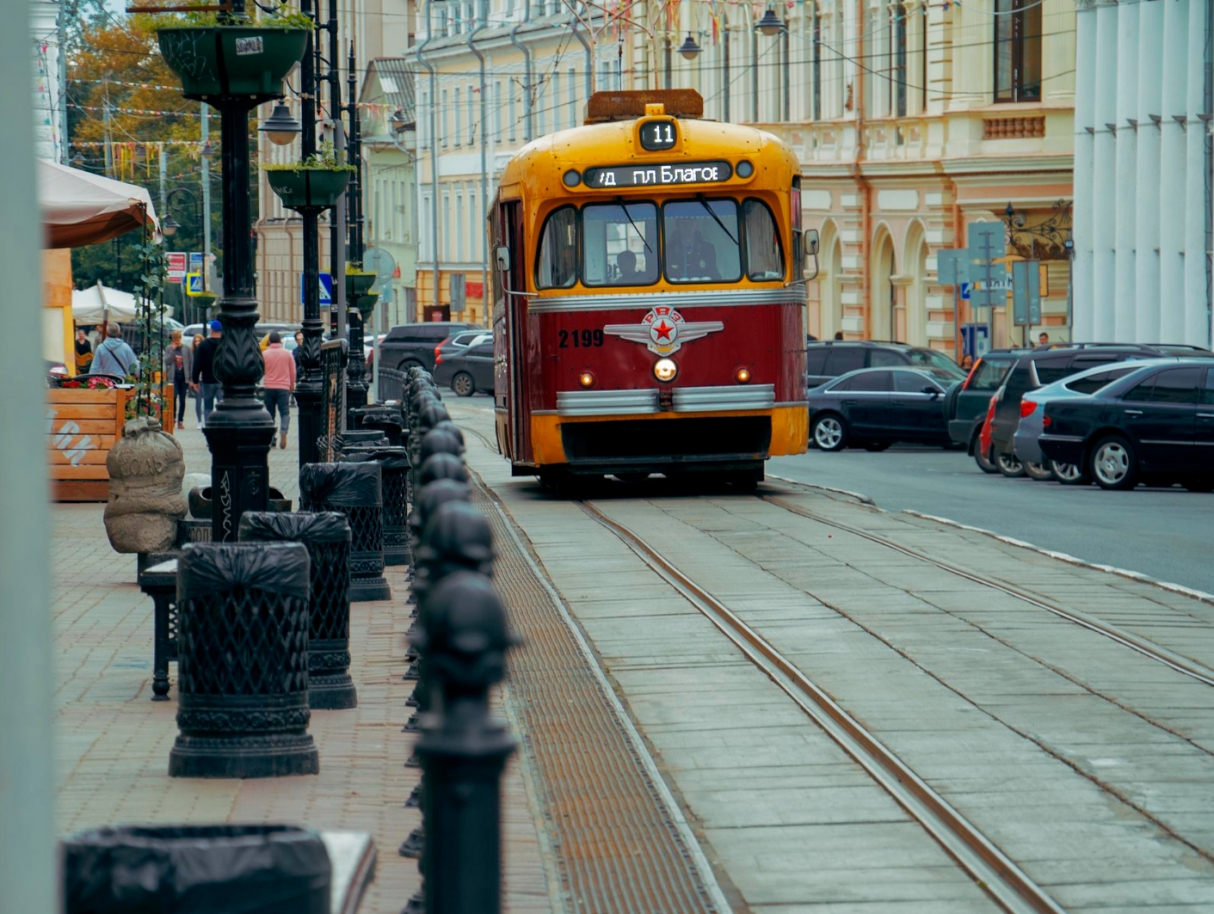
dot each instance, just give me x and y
(81, 426)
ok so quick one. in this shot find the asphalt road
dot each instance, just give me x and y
(1165, 533)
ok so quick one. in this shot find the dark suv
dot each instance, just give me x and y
(967, 402)
(413, 344)
(827, 360)
(1044, 366)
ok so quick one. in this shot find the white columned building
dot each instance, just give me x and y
(1143, 172)
(50, 115)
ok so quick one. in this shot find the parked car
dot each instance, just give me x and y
(410, 345)
(1032, 411)
(461, 340)
(1154, 425)
(467, 370)
(968, 401)
(834, 358)
(874, 407)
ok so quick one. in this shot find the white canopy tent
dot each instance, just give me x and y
(99, 303)
(80, 208)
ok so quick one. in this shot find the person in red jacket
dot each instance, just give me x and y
(279, 382)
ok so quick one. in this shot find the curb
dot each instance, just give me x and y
(1180, 589)
(863, 499)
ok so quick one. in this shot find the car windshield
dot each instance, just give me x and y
(927, 358)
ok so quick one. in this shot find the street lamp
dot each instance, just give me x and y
(78, 160)
(280, 127)
(169, 226)
(689, 48)
(772, 25)
(208, 151)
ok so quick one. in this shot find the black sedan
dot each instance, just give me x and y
(467, 370)
(1155, 425)
(875, 407)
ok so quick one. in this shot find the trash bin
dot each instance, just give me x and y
(196, 869)
(363, 437)
(242, 662)
(355, 490)
(394, 466)
(383, 419)
(327, 538)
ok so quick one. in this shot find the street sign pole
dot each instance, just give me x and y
(987, 241)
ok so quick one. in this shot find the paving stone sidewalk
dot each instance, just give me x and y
(112, 742)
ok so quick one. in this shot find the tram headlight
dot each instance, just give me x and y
(665, 370)
(586, 379)
(742, 375)
(572, 178)
(744, 169)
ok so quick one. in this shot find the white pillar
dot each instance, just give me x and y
(1172, 173)
(1104, 176)
(28, 881)
(1150, 95)
(1085, 98)
(1196, 296)
(1125, 295)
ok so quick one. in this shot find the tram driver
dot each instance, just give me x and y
(626, 264)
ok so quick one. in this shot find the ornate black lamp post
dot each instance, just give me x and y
(358, 285)
(235, 66)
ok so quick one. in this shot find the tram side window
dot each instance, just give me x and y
(620, 244)
(764, 259)
(556, 267)
(702, 240)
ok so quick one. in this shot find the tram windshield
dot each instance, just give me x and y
(696, 240)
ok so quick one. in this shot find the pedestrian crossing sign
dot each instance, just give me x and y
(193, 284)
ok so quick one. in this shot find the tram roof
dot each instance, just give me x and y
(541, 163)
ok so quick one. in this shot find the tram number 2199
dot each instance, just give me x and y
(580, 339)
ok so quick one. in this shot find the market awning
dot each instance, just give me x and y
(98, 303)
(80, 208)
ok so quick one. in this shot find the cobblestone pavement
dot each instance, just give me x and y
(113, 742)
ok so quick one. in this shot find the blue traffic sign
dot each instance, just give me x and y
(326, 289)
(965, 290)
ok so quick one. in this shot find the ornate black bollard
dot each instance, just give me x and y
(355, 490)
(394, 468)
(242, 668)
(327, 538)
(383, 419)
(465, 637)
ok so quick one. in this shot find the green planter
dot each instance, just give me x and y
(308, 187)
(366, 303)
(358, 284)
(232, 60)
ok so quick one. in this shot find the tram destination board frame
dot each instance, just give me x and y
(657, 175)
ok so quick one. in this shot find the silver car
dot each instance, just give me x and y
(1085, 383)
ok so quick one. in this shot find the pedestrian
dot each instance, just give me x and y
(197, 398)
(967, 362)
(202, 375)
(297, 352)
(114, 356)
(178, 359)
(84, 351)
(279, 382)
(838, 334)
(1043, 339)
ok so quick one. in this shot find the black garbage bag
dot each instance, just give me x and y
(196, 869)
(391, 458)
(205, 568)
(348, 485)
(319, 526)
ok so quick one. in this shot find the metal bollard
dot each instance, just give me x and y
(327, 538)
(243, 662)
(464, 750)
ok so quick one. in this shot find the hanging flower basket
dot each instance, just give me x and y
(366, 303)
(358, 284)
(232, 59)
(306, 188)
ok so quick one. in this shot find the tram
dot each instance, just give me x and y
(649, 296)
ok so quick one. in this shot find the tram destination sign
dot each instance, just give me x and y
(658, 175)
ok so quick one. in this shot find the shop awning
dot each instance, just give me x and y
(80, 208)
(98, 303)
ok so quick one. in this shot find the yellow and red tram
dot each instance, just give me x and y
(649, 297)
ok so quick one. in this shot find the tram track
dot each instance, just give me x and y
(992, 870)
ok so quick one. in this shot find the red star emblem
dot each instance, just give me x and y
(663, 330)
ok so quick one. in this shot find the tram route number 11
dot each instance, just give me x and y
(580, 339)
(658, 135)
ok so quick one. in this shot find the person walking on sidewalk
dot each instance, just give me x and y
(279, 382)
(178, 360)
(202, 376)
(114, 356)
(189, 374)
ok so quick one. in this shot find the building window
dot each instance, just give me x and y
(459, 131)
(1017, 50)
(816, 65)
(471, 116)
(898, 61)
(513, 116)
(497, 112)
(571, 93)
(459, 227)
(443, 123)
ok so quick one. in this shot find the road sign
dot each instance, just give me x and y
(326, 289)
(975, 339)
(193, 284)
(953, 267)
(458, 296)
(175, 262)
(1026, 292)
(381, 263)
(987, 240)
(966, 289)
(196, 261)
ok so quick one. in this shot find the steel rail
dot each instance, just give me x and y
(995, 873)
(1140, 645)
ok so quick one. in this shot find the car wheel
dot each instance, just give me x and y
(1113, 463)
(1070, 474)
(983, 460)
(1038, 471)
(1200, 484)
(463, 384)
(1009, 465)
(409, 363)
(877, 445)
(830, 432)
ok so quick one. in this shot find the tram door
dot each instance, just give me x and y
(510, 226)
